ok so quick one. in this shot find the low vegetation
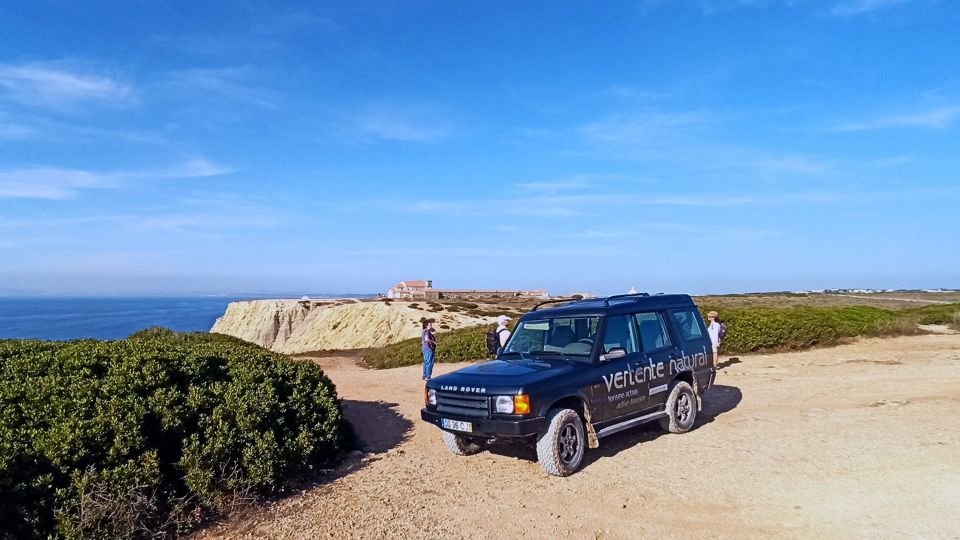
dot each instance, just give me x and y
(799, 327)
(935, 314)
(750, 329)
(454, 346)
(146, 436)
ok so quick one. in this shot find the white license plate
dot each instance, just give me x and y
(456, 425)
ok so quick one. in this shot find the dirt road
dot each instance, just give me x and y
(860, 440)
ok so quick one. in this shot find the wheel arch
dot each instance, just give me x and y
(580, 405)
(688, 377)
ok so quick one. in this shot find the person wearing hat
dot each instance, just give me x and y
(502, 331)
(714, 330)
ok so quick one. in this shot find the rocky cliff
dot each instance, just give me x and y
(292, 326)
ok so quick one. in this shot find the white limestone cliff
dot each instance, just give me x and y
(297, 326)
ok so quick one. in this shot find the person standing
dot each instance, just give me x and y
(429, 343)
(502, 331)
(714, 329)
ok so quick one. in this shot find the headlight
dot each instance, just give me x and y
(505, 404)
(431, 397)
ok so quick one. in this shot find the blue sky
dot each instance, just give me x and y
(694, 146)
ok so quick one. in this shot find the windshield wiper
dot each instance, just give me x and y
(518, 353)
(566, 356)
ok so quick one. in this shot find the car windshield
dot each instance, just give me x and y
(567, 336)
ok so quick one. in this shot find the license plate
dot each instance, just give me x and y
(456, 425)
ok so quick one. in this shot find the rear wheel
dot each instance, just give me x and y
(461, 446)
(561, 447)
(681, 409)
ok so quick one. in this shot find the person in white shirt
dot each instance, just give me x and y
(714, 330)
(502, 331)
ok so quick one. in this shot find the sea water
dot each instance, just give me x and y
(111, 317)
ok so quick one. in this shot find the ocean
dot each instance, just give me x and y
(111, 317)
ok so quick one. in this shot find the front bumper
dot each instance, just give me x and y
(490, 427)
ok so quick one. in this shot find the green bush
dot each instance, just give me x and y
(139, 437)
(936, 314)
(458, 345)
(798, 327)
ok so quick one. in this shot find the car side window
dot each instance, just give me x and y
(620, 333)
(690, 328)
(653, 333)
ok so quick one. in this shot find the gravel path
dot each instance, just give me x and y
(860, 440)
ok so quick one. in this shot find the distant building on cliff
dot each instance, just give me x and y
(411, 289)
(423, 290)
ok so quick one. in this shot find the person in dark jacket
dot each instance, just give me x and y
(429, 345)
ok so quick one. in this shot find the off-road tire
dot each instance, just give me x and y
(461, 446)
(681, 409)
(561, 447)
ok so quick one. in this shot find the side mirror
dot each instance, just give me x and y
(613, 354)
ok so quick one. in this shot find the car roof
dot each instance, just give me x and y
(613, 305)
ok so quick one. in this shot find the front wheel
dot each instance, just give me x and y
(561, 447)
(681, 409)
(460, 446)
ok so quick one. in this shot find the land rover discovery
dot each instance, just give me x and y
(574, 373)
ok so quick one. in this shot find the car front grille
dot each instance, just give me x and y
(463, 405)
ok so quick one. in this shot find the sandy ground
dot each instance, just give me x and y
(859, 440)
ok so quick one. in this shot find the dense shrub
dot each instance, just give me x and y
(458, 345)
(936, 314)
(754, 329)
(142, 436)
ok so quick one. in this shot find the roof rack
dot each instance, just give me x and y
(606, 301)
(558, 301)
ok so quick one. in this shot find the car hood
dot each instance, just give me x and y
(509, 374)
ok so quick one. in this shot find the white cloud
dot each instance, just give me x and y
(206, 224)
(194, 168)
(400, 123)
(787, 164)
(842, 8)
(60, 184)
(693, 142)
(561, 206)
(48, 183)
(48, 86)
(575, 183)
(642, 126)
(851, 8)
(239, 84)
(11, 131)
(593, 234)
(635, 230)
(939, 118)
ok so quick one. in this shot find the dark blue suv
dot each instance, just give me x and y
(574, 373)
